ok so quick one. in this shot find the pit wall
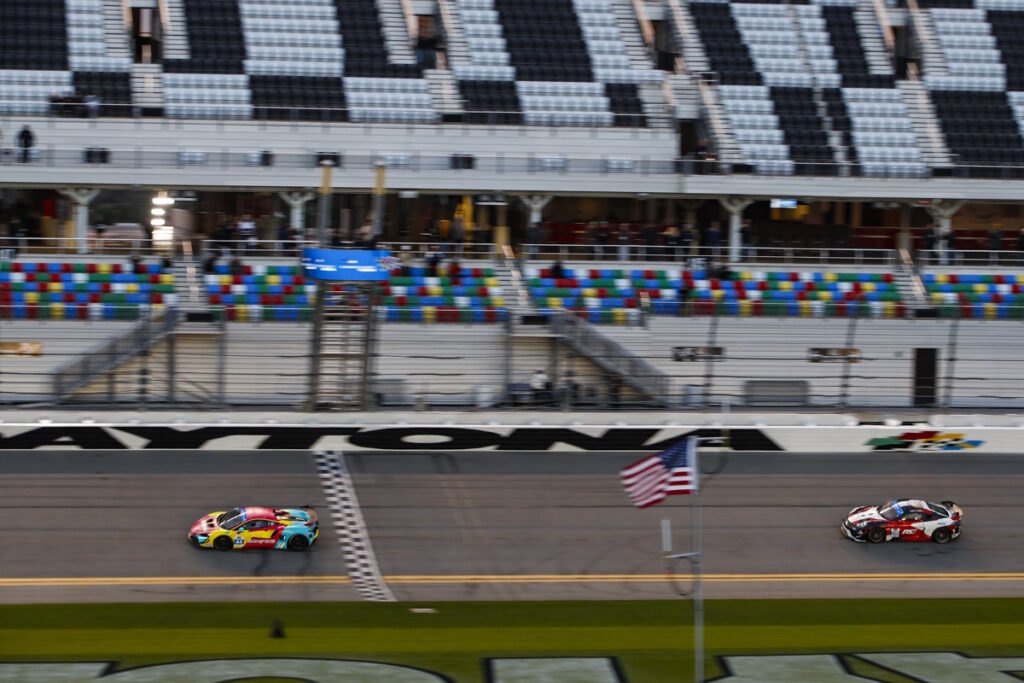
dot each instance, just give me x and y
(482, 432)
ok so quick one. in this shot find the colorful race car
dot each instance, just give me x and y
(294, 528)
(904, 519)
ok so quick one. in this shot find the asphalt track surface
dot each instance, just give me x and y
(82, 526)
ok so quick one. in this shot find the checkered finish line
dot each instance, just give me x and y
(348, 521)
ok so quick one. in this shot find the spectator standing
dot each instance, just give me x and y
(714, 238)
(671, 236)
(601, 237)
(686, 240)
(623, 242)
(457, 233)
(533, 238)
(558, 270)
(26, 140)
(684, 295)
(951, 255)
(650, 240)
(995, 244)
(928, 242)
(538, 385)
(246, 229)
(433, 261)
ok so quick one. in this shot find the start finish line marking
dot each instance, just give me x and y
(351, 528)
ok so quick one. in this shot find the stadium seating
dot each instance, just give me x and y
(278, 292)
(615, 296)
(976, 296)
(82, 291)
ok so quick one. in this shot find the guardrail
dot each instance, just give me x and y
(700, 256)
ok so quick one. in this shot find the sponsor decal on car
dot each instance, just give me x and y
(924, 441)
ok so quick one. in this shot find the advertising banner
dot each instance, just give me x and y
(346, 265)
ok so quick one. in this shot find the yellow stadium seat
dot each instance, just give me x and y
(867, 286)
(554, 302)
(167, 279)
(830, 277)
(717, 294)
(589, 293)
(805, 309)
(941, 278)
(937, 297)
(980, 288)
(104, 268)
(57, 310)
(619, 316)
(132, 288)
(498, 301)
(746, 276)
(56, 287)
(990, 311)
(273, 279)
(429, 314)
(242, 312)
(786, 286)
(225, 279)
(824, 295)
(746, 307)
(491, 281)
(890, 309)
(31, 297)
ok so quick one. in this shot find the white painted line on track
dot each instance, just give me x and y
(353, 537)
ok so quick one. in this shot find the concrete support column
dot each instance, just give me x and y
(735, 206)
(903, 239)
(82, 197)
(536, 204)
(297, 201)
(942, 212)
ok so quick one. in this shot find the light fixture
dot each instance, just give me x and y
(163, 200)
(157, 222)
(156, 211)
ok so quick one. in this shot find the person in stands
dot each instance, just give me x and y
(539, 385)
(26, 140)
(433, 261)
(557, 271)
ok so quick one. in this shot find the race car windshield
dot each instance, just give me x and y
(939, 509)
(890, 510)
(231, 518)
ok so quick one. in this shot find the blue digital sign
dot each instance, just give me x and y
(346, 265)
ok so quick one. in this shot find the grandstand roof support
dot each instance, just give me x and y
(297, 201)
(735, 206)
(82, 197)
(536, 204)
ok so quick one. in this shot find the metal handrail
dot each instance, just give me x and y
(587, 340)
(750, 256)
(108, 355)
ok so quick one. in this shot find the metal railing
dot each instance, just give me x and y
(749, 256)
(631, 369)
(107, 356)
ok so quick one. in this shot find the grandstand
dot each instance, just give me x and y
(557, 115)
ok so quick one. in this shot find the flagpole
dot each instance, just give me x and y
(698, 589)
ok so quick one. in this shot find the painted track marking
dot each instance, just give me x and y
(101, 582)
(348, 521)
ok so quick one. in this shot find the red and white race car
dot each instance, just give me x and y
(904, 519)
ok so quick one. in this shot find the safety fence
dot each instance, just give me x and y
(524, 360)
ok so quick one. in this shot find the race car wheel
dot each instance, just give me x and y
(298, 543)
(222, 543)
(941, 535)
(876, 534)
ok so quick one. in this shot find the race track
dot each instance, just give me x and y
(106, 526)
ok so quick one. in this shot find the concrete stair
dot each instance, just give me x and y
(721, 129)
(148, 86)
(933, 61)
(444, 93)
(396, 32)
(868, 23)
(457, 50)
(656, 107)
(176, 32)
(115, 33)
(688, 40)
(683, 96)
(629, 29)
(925, 121)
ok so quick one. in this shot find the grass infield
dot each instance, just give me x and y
(652, 640)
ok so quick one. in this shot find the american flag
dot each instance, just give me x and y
(673, 471)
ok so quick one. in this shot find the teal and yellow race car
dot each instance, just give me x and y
(291, 528)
